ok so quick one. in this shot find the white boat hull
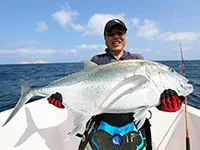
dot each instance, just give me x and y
(44, 127)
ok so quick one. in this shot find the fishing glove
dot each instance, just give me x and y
(170, 101)
(56, 100)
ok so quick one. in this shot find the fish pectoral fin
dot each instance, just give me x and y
(123, 88)
(80, 120)
(88, 64)
(140, 116)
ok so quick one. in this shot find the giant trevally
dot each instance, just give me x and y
(118, 87)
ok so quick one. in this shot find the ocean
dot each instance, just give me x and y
(39, 75)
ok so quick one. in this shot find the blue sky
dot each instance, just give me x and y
(69, 31)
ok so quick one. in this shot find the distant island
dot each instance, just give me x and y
(37, 62)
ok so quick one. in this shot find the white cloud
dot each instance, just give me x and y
(72, 51)
(30, 50)
(77, 27)
(69, 51)
(7, 52)
(97, 22)
(64, 16)
(135, 21)
(148, 30)
(94, 26)
(91, 47)
(168, 36)
(42, 27)
(38, 51)
(185, 47)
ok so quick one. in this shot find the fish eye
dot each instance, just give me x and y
(171, 69)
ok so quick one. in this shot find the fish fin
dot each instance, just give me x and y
(140, 116)
(120, 90)
(80, 120)
(88, 64)
(141, 112)
(25, 89)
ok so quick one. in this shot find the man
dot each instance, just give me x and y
(117, 131)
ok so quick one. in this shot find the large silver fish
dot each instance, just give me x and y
(118, 87)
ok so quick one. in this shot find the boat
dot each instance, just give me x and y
(41, 126)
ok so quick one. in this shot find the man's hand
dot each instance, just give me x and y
(170, 101)
(56, 100)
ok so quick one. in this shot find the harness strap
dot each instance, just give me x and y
(147, 130)
(112, 131)
(94, 123)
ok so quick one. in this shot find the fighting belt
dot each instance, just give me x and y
(107, 137)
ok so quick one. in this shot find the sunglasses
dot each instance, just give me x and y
(118, 32)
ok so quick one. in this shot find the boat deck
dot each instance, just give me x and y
(41, 126)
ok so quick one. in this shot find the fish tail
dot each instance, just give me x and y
(25, 88)
(26, 94)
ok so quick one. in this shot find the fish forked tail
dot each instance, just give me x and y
(25, 96)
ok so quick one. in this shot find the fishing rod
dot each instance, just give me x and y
(186, 112)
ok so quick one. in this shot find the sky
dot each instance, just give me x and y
(57, 31)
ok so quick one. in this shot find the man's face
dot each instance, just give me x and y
(115, 38)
